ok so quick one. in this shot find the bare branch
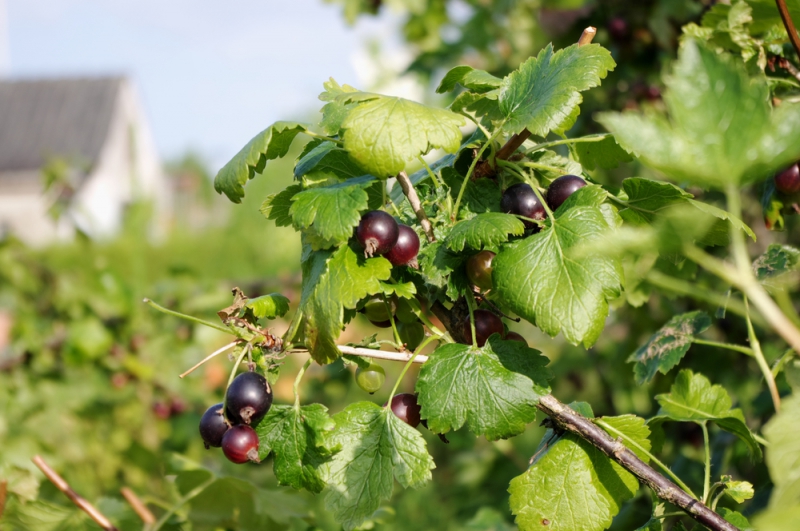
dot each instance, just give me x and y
(416, 205)
(382, 354)
(138, 506)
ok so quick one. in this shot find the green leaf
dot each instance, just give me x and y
(721, 127)
(692, 398)
(332, 211)
(469, 78)
(484, 230)
(406, 290)
(545, 90)
(777, 260)
(725, 216)
(737, 519)
(493, 389)
(783, 454)
(740, 491)
(766, 15)
(297, 437)
(605, 154)
(330, 159)
(277, 206)
(336, 110)
(332, 281)
(480, 196)
(550, 165)
(488, 519)
(383, 134)
(271, 143)
(634, 432)
(269, 306)
(665, 349)
(376, 447)
(573, 485)
(541, 281)
(437, 263)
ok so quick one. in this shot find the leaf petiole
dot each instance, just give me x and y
(186, 317)
(405, 368)
(296, 386)
(707, 473)
(590, 138)
(472, 166)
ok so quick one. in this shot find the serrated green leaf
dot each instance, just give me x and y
(484, 230)
(647, 198)
(328, 158)
(269, 306)
(740, 491)
(332, 281)
(383, 134)
(469, 78)
(376, 447)
(777, 260)
(40, 515)
(721, 127)
(297, 438)
(480, 196)
(333, 211)
(692, 398)
(572, 485)
(766, 15)
(493, 389)
(539, 280)
(723, 215)
(545, 90)
(406, 290)
(436, 263)
(277, 206)
(634, 432)
(549, 165)
(336, 110)
(605, 154)
(271, 143)
(665, 349)
(483, 106)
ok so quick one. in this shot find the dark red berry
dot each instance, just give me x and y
(240, 444)
(248, 398)
(405, 407)
(788, 181)
(562, 188)
(479, 269)
(405, 249)
(162, 410)
(618, 29)
(377, 232)
(521, 200)
(213, 426)
(486, 324)
(513, 336)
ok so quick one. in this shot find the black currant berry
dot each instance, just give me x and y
(521, 200)
(788, 181)
(513, 336)
(404, 251)
(213, 426)
(486, 324)
(377, 233)
(405, 407)
(411, 334)
(479, 269)
(240, 444)
(248, 398)
(371, 378)
(562, 188)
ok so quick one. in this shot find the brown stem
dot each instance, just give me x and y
(789, 67)
(790, 29)
(74, 497)
(416, 205)
(3, 493)
(138, 506)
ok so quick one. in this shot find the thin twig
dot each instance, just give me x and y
(3, 493)
(74, 497)
(382, 354)
(789, 67)
(215, 353)
(790, 29)
(416, 205)
(138, 506)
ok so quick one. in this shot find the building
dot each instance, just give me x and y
(89, 139)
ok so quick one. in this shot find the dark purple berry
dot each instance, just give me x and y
(248, 398)
(213, 426)
(405, 249)
(513, 336)
(520, 200)
(618, 29)
(486, 324)
(562, 188)
(377, 232)
(240, 444)
(479, 269)
(405, 407)
(788, 181)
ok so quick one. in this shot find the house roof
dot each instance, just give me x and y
(41, 119)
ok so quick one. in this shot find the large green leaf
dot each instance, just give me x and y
(692, 398)
(484, 230)
(493, 389)
(271, 143)
(721, 127)
(545, 90)
(332, 281)
(605, 154)
(327, 157)
(297, 438)
(572, 485)
(384, 133)
(277, 206)
(540, 280)
(336, 109)
(376, 447)
(665, 349)
(766, 15)
(469, 78)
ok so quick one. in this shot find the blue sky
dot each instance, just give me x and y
(210, 74)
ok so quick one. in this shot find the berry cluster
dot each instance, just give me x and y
(381, 235)
(521, 200)
(228, 425)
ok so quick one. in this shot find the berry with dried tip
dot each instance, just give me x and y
(513, 336)
(520, 200)
(371, 378)
(377, 233)
(486, 324)
(562, 188)
(240, 444)
(405, 250)
(248, 398)
(788, 181)
(479, 269)
(213, 426)
(405, 407)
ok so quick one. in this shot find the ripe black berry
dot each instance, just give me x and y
(788, 181)
(405, 407)
(240, 444)
(486, 324)
(479, 269)
(377, 232)
(213, 426)
(513, 336)
(521, 200)
(248, 398)
(562, 188)
(404, 251)
(371, 378)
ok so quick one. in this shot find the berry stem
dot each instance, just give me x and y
(416, 205)
(730, 346)
(599, 137)
(762, 362)
(543, 202)
(707, 466)
(181, 502)
(398, 342)
(470, 304)
(186, 317)
(296, 386)
(244, 352)
(215, 353)
(405, 368)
